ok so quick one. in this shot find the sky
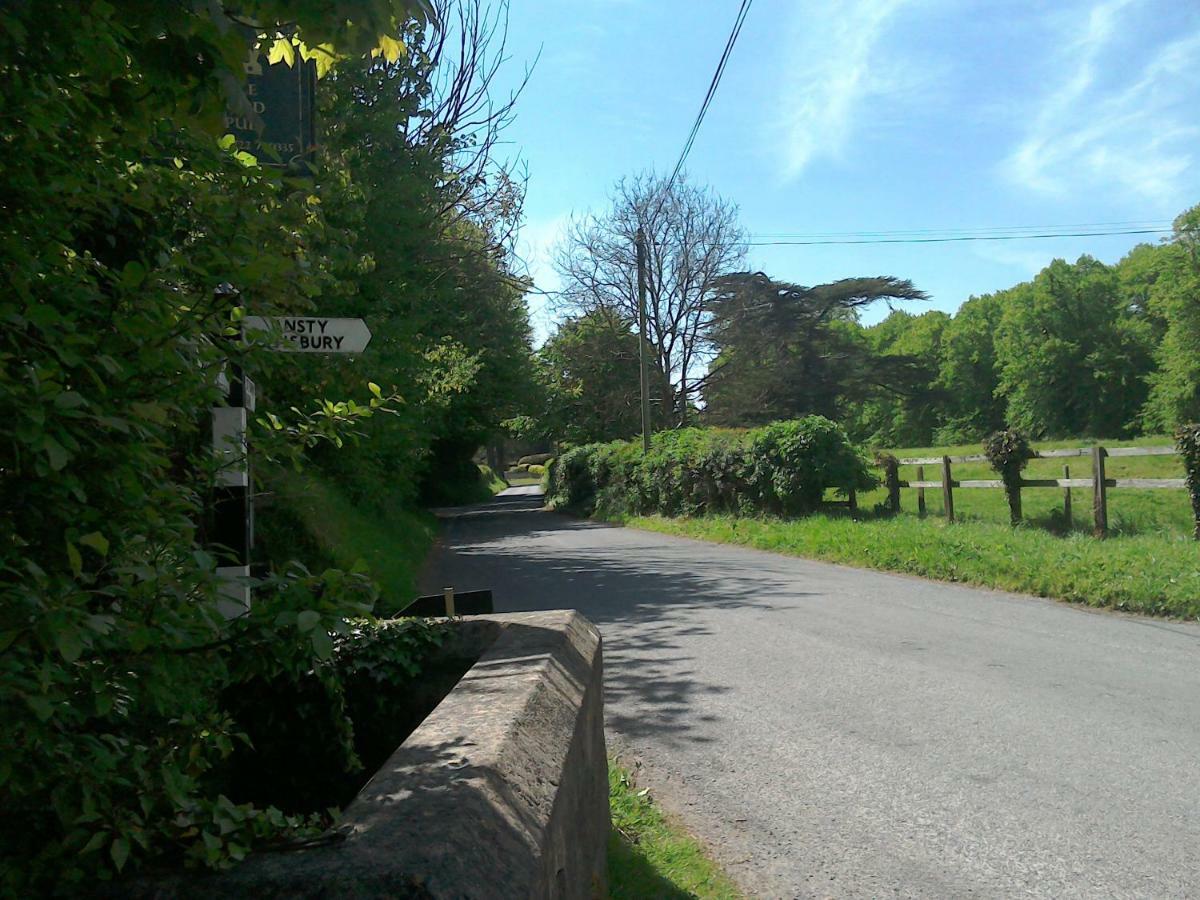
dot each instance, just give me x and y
(867, 116)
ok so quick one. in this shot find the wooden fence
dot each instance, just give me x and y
(1098, 482)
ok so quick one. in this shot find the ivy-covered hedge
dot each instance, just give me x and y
(1187, 439)
(781, 469)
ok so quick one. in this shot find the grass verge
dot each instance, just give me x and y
(651, 856)
(393, 545)
(1156, 574)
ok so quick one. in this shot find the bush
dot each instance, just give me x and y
(535, 459)
(536, 470)
(1187, 439)
(782, 468)
(1009, 452)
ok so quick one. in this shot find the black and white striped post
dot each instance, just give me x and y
(233, 513)
(233, 507)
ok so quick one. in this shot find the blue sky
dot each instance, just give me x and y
(870, 115)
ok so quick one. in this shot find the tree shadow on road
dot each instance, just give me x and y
(647, 602)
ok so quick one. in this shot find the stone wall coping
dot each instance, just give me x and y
(469, 805)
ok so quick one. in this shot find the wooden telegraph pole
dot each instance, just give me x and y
(642, 338)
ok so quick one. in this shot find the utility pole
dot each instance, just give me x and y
(642, 337)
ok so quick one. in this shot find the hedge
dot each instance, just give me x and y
(782, 469)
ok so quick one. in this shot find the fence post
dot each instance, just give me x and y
(893, 485)
(947, 490)
(921, 492)
(1067, 498)
(1099, 493)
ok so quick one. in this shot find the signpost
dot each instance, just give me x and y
(312, 334)
(233, 518)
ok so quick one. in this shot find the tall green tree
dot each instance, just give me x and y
(1174, 298)
(968, 372)
(591, 373)
(908, 410)
(1072, 359)
(786, 350)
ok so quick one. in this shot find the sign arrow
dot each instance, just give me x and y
(311, 334)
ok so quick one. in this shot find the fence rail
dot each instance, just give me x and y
(1098, 482)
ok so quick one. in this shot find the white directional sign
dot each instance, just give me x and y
(313, 334)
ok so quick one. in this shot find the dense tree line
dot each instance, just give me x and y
(1084, 349)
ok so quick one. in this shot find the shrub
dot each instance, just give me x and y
(536, 470)
(795, 461)
(535, 459)
(1187, 439)
(782, 468)
(1009, 451)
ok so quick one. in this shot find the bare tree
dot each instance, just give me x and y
(692, 238)
(466, 53)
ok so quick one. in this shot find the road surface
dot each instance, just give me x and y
(833, 732)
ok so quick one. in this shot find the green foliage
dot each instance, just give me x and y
(909, 409)
(784, 467)
(1071, 358)
(1083, 349)
(1009, 452)
(124, 210)
(794, 462)
(968, 373)
(785, 350)
(1174, 299)
(591, 384)
(1187, 439)
(312, 735)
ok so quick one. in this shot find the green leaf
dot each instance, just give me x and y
(308, 620)
(120, 852)
(98, 840)
(75, 559)
(69, 400)
(133, 274)
(375, 389)
(70, 644)
(57, 453)
(42, 707)
(96, 541)
(322, 643)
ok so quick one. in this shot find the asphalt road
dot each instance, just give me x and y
(834, 732)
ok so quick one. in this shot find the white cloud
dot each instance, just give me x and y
(1120, 117)
(834, 67)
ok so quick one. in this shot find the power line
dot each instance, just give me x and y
(1151, 224)
(708, 97)
(943, 240)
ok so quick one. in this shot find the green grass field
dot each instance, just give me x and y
(1130, 511)
(650, 856)
(1150, 563)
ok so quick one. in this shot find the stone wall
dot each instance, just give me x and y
(501, 792)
